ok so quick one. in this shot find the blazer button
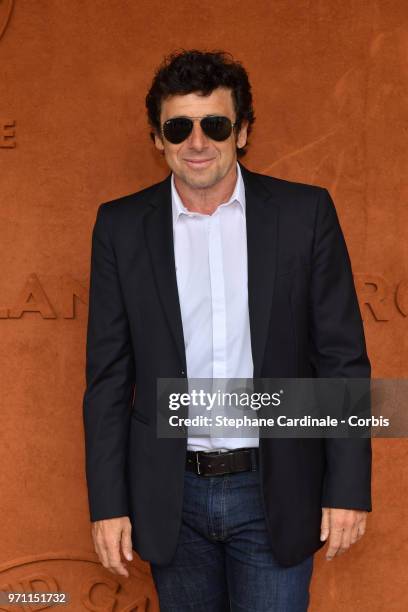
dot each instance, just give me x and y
(182, 372)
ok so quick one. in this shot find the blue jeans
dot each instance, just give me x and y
(223, 560)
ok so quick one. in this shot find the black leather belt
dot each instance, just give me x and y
(216, 463)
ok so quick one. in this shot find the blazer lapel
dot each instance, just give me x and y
(262, 242)
(159, 237)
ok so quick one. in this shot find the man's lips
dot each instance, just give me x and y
(198, 162)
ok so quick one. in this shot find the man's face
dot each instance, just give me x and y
(217, 158)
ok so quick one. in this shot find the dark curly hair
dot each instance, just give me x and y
(183, 72)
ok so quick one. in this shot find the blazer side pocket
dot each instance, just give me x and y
(140, 417)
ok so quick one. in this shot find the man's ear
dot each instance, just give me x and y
(242, 134)
(158, 141)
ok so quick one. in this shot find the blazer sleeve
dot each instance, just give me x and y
(110, 376)
(338, 350)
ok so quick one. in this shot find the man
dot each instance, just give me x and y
(220, 272)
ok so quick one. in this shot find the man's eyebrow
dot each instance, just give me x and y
(194, 116)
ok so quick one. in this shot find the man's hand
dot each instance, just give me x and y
(111, 537)
(344, 527)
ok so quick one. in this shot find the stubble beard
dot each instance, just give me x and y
(202, 182)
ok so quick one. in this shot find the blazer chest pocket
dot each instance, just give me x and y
(293, 269)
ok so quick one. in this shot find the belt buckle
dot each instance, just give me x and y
(198, 464)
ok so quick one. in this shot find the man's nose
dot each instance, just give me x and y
(197, 138)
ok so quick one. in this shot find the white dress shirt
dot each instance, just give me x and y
(211, 267)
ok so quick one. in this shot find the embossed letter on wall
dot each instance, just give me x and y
(7, 133)
(6, 6)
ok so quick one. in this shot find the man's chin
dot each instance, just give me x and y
(202, 181)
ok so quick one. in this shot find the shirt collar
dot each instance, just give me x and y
(238, 195)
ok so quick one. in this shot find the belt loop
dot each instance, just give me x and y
(253, 460)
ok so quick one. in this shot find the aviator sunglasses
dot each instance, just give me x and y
(215, 127)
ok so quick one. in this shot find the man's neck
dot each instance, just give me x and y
(207, 199)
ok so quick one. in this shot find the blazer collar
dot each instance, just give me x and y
(262, 212)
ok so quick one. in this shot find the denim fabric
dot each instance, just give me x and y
(223, 560)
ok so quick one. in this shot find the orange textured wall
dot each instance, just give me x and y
(330, 90)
